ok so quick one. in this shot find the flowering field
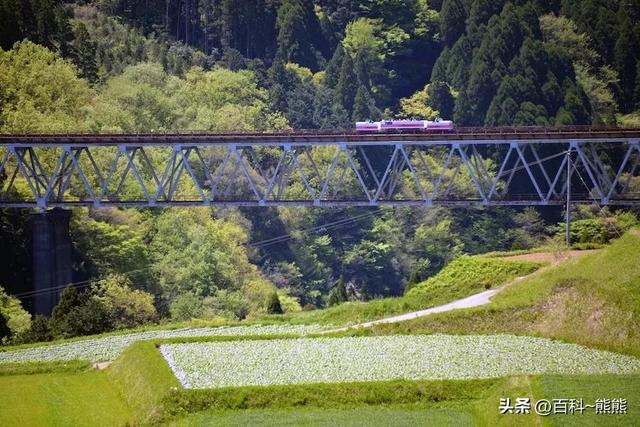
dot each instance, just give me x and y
(108, 348)
(417, 357)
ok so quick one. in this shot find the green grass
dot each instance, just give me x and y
(591, 388)
(336, 395)
(144, 379)
(70, 366)
(463, 277)
(394, 416)
(478, 406)
(593, 300)
(61, 399)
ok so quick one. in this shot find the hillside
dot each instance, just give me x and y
(594, 301)
(590, 300)
(223, 66)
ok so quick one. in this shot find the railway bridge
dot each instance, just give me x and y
(463, 167)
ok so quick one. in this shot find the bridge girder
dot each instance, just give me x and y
(253, 172)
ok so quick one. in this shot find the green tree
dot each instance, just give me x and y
(440, 99)
(39, 330)
(273, 304)
(127, 308)
(186, 307)
(452, 18)
(338, 294)
(109, 248)
(332, 71)
(347, 84)
(364, 107)
(84, 53)
(18, 319)
(139, 100)
(39, 91)
(79, 314)
(297, 27)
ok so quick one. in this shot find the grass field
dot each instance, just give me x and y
(61, 399)
(394, 416)
(481, 411)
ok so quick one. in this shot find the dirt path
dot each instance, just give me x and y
(475, 300)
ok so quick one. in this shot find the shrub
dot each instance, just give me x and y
(186, 307)
(338, 294)
(127, 308)
(5, 332)
(17, 317)
(231, 305)
(79, 314)
(289, 304)
(39, 330)
(274, 306)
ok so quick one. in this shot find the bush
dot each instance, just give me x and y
(5, 332)
(127, 308)
(17, 317)
(79, 314)
(186, 307)
(39, 330)
(274, 306)
(338, 294)
(231, 305)
(289, 304)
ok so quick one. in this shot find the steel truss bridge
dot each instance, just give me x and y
(485, 167)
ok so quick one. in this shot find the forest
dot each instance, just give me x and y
(272, 65)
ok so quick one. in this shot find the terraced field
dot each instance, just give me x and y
(110, 347)
(418, 357)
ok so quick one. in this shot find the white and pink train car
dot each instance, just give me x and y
(398, 125)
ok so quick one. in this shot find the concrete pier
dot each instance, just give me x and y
(51, 258)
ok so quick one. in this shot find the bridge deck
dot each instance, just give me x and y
(477, 135)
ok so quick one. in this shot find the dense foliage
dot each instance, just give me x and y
(261, 65)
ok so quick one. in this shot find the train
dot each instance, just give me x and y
(403, 125)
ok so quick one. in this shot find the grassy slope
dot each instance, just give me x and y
(482, 410)
(61, 399)
(143, 379)
(593, 300)
(462, 277)
(408, 416)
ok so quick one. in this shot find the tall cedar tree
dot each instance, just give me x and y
(347, 84)
(452, 18)
(295, 33)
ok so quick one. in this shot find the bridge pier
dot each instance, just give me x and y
(51, 258)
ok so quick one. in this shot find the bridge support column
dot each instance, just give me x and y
(51, 258)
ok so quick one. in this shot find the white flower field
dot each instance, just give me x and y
(110, 347)
(418, 357)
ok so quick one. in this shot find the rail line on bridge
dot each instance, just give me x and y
(466, 167)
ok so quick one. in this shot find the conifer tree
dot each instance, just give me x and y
(295, 23)
(332, 72)
(274, 306)
(347, 84)
(452, 18)
(84, 53)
